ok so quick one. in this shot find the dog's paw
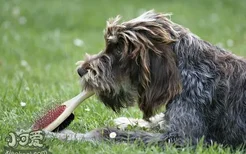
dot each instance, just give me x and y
(157, 118)
(123, 122)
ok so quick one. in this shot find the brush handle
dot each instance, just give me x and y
(75, 101)
(70, 106)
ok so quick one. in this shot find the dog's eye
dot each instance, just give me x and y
(118, 52)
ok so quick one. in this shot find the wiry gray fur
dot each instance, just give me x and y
(153, 61)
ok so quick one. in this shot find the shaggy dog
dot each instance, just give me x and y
(154, 62)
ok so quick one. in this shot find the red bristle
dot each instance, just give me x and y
(49, 117)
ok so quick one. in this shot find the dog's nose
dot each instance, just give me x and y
(82, 71)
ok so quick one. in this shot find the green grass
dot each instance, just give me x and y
(37, 58)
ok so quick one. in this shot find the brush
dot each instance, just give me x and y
(61, 116)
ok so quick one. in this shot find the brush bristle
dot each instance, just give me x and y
(49, 117)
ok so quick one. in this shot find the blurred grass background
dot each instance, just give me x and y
(40, 41)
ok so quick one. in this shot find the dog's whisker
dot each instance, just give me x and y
(87, 56)
(80, 62)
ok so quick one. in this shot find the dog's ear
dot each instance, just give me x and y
(164, 82)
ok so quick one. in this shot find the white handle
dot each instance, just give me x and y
(79, 98)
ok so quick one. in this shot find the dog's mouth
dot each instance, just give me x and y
(87, 93)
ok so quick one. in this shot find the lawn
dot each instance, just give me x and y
(41, 40)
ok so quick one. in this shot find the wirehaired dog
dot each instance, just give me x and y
(153, 62)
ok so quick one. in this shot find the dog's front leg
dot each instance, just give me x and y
(155, 123)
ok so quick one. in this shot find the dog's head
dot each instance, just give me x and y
(137, 65)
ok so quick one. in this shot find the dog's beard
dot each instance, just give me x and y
(108, 82)
(99, 76)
